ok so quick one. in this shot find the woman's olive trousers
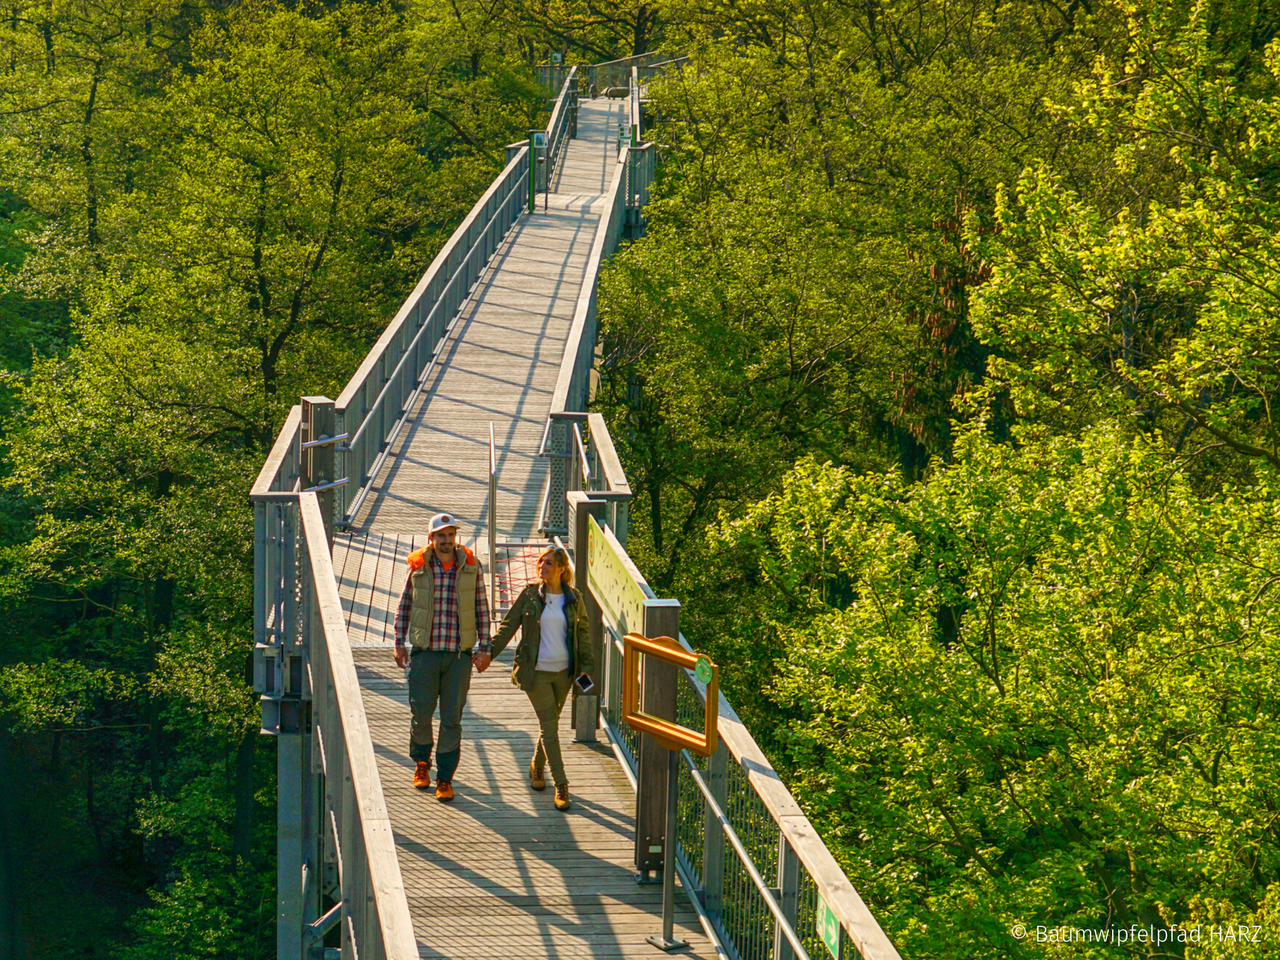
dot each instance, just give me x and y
(550, 689)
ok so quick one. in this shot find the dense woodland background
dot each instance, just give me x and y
(946, 376)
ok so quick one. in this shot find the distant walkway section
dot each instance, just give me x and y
(502, 361)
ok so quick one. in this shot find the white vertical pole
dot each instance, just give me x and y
(493, 524)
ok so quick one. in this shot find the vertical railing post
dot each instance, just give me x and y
(788, 895)
(586, 706)
(493, 522)
(717, 777)
(658, 685)
(319, 423)
(533, 169)
(620, 522)
(342, 463)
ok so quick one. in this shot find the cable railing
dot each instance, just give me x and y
(335, 843)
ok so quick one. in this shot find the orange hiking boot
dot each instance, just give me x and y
(444, 790)
(537, 779)
(422, 775)
(562, 796)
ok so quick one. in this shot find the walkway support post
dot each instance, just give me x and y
(667, 941)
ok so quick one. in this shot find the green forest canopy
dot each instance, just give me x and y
(944, 377)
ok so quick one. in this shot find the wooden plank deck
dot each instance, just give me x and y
(499, 872)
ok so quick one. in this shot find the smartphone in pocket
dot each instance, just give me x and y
(585, 683)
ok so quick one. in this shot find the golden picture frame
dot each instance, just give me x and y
(668, 733)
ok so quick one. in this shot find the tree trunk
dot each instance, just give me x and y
(243, 839)
(89, 762)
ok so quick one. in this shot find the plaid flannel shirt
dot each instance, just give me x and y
(445, 632)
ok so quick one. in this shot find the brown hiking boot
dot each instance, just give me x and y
(422, 775)
(562, 796)
(536, 778)
(444, 790)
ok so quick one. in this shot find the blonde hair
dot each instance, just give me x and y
(559, 557)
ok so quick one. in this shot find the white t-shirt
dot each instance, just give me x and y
(553, 654)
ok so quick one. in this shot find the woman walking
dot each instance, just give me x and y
(555, 648)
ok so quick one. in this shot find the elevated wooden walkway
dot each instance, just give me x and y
(499, 872)
(502, 361)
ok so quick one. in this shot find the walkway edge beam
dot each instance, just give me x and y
(394, 926)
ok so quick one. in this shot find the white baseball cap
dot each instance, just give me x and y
(439, 522)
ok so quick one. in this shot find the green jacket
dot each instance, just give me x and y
(526, 613)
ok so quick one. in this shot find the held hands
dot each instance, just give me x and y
(482, 661)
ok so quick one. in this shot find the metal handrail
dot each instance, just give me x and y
(748, 864)
(324, 441)
(377, 403)
(422, 379)
(559, 121)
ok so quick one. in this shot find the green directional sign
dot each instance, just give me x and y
(828, 927)
(703, 669)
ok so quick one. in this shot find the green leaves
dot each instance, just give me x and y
(58, 694)
(1051, 686)
(1156, 300)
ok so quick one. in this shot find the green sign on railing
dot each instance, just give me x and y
(828, 927)
(703, 671)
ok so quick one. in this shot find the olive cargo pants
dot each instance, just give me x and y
(550, 689)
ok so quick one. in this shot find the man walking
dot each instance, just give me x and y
(445, 615)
